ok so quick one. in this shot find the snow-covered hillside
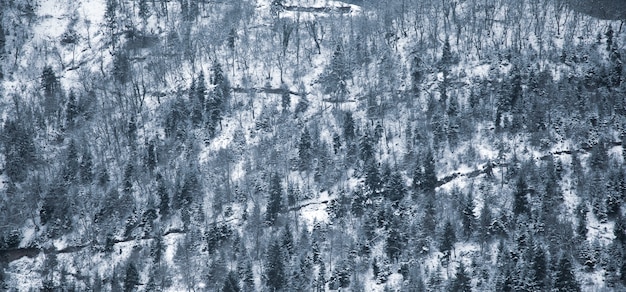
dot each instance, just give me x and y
(292, 145)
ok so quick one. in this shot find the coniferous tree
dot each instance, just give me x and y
(539, 268)
(220, 93)
(231, 284)
(448, 239)
(287, 241)
(565, 280)
(429, 219)
(396, 241)
(335, 79)
(196, 99)
(446, 55)
(221, 90)
(86, 167)
(461, 281)
(435, 281)
(285, 97)
(2, 39)
(615, 193)
(164, 198)
(372, 178)
(357, 206)
(132, 278)
(520, 200)
(623, 271)
(485, 221)
(103, 176)
(468, 219)
(609, 37)
(52, 94)
(366, 147)
(128, 178)
(110, 14)
(336, 143)
(247, 276)
(71, 168)
(150, 158)
(121, 67)
(19, 150)
(429, 177)
(71, 111)
(599, 156)
(619, 230)
(191, 189)
(275, 268)
(49, 82)
(304, 150)
(453, 106)
(144, 10)
(416, 73)
(581, 229)
(394, 188)
(349, 127)
(274, 203)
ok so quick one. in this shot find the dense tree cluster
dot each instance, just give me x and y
(401, 145)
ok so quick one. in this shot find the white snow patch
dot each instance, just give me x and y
(24, 275)
(28, 234)
(315, 212)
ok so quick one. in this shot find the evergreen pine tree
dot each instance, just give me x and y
(164, 198)
(132, 278)
(461, 281)
(287, 240)
(448, 239)
(150, 158)
(429, 179)
(196, 99)
(357, 206)
(581, 229)
(565, 279)
(2, 38)
(247, 276)
(220, 95)
(70, 171)
(416, 73)
(304, 150)
(468, 219)
(274, 203)
(285, 97)
(275, 268)
(71, 110)
(394, 188)
(366, 147)
(231, 284)
(128, 178)
(619, 230)
(49, 82)
(191, 189)
(372, 177)
(336, 143)
(395, 242)
(429, 220)
(335, 79)
(86, 167)
(121, 67)
(520, 200)
(144, 10)
(349, 127)
(539, 268)
(623, 271)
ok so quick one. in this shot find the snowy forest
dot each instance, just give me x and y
(312, 145)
